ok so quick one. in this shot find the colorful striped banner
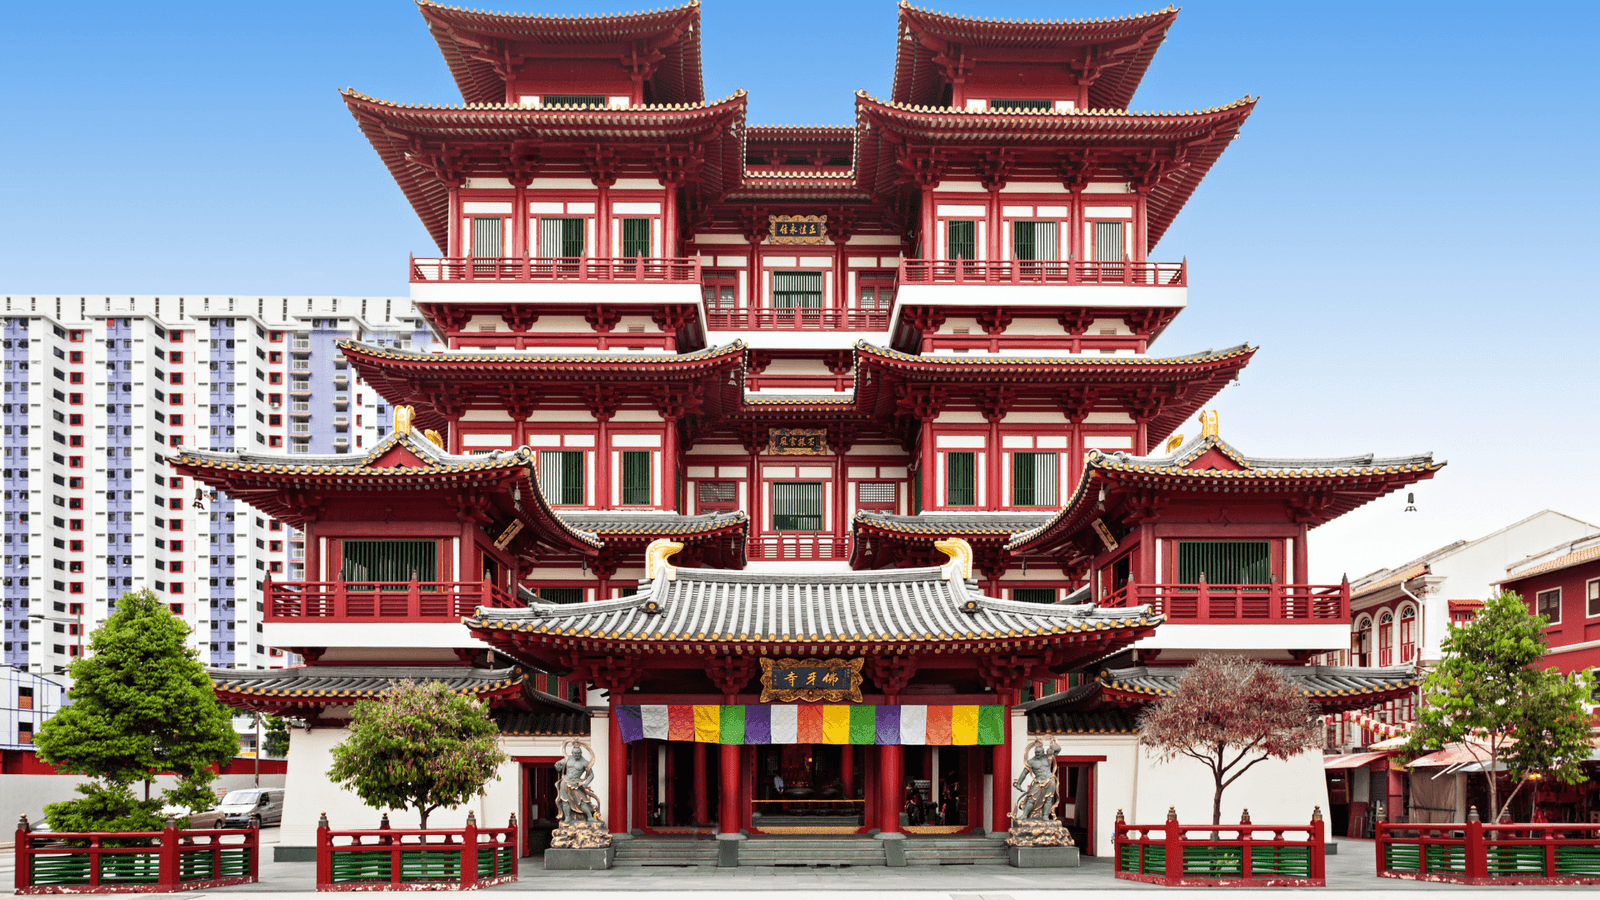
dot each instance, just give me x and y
(814, 724)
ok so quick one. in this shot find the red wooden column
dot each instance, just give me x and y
(974, 787)
(702, 789)
(728, 817)
(617, 774)
(671, 816)
(891, 787)
(1001, 811)
(928, 466)
(847, 770)
(869, 793)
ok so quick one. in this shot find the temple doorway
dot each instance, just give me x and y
(815, 788)
(1075, 802)
(539, 813)
(939, 782)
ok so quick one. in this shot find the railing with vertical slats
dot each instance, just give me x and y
(1049, 271)
(1276, 603)
(365, 601)
(641, 269)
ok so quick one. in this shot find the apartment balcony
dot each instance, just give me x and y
(1240, 604)
(799, 545)
(379, 601)
(341, 401)
(1066, 272)
(797, 319)
(557, 269)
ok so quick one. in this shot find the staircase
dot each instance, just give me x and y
(665, 851)
(955, 851)
(851, 850)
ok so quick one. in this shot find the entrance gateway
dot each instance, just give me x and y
(709, 673)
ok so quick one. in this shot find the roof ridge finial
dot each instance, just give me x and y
(960, 553)
(1208, 424)
(402, 419)
(656, 554)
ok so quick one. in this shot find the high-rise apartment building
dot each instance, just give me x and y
(97, 393)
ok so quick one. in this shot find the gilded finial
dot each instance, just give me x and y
(655, 559)
(402, 419)
(438, 440)
(1244, 817)
(1174, 442)
(960, 553)
(1316, 813)
(1120, 819)
(1172, 814)
(1208, 424)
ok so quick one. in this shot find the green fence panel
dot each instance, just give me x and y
(1206, 861)
(1506, 861)
(60, 870)
(1155, 859)
(1447, 859)
(1402, 857)
(1575, 860)
(130, 868)
(430, 865)
(361, 866)
(195, 865)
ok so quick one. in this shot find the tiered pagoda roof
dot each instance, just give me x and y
(1314, 491)
(308, 691)
(685, 612)
(715, 539)
(430, 149)
(1113, 52)
(1164, 156)
(480, 46)
(1331, 688)
(881, 539)
(411, 470)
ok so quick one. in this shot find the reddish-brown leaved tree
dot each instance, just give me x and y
(1229, 713)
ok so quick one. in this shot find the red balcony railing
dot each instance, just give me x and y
(797, 319)
(799, 545)
(1202, 602)
(1242, 855)
(144, 862)
(366, 601)
(1473, 852)
(416, 859)
(1063, 272)
(641, 269)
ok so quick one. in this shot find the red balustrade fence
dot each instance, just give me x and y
(799, 545)
(1059, 272)
(1238, 602)
(416, 859)
(128, 862)
(645, 269)
(797, 319)
(363, 601)
(1242, 855)
(1475, 853)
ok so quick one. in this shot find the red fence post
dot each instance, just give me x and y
(22, 857)
(255, 855)
(514, 840)
(1477, 859)
(324, 853)
(1174, 844)
(1119, 836)
(469, 852)
(1319, 846)
(167, 858)
(1244, 843)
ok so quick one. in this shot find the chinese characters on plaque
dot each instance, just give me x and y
(811, 680)
(798, 229)
(797, 441)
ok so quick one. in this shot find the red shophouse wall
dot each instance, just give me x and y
(1576, 626)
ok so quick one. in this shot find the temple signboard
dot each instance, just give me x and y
(797, 441)
(798, 229)
(811, 680)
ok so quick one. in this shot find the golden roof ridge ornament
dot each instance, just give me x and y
(656, 554)
(960, 553)
(1208, 424)
(438, 440)
(402, 419)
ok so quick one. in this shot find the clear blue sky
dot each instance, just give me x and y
(1406, 226)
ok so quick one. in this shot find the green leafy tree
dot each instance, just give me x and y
(419, 746)
(141, 704)
(276, 740)
(1489, 690)
(1229, 713)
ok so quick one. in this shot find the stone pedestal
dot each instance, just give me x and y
(894, 849)
(583, 836)
(1035, 833)
(728, 849)
(571, 858)
(1056, 857)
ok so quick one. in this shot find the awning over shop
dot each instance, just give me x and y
(1452, 755)
(1351, 760)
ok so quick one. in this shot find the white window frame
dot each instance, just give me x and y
(1538, 595)
(1590, 589)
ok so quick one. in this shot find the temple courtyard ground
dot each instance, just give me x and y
(1350, 874)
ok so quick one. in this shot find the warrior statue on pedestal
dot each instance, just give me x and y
(581, 825)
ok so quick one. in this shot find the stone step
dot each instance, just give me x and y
(665, 852)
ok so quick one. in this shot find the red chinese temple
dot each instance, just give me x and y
(808, 472)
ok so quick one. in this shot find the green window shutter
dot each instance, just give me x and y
(1225, 562)
(560, 237)
(560, 595)
(388, 561)
(561, 476)
(797, 290)
(486, 239)
(1034, 479)
(960, 479)
(961, 239)
(1034, 595)
(636, 477)
(1022, 240)
(797, 505)
(635, 237)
